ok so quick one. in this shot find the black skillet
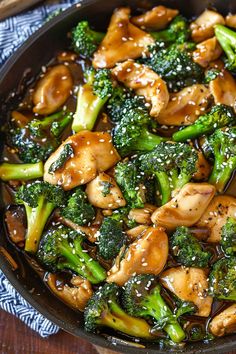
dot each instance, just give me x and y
(19, 70)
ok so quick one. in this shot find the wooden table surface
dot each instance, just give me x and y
(17, 338)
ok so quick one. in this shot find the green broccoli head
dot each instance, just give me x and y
(222, 279)
(78, 209)
(228, 237)
(129, 179)
(227, 40)
(218, 117)
(172, 165)
(175, 65)
(85, 40)
(110, 238)
(177, 32)
(122, 216)
(92, 97)
(30, 142)
(142, 298)
(222, 145)
(39, 199)
(103, 310)
(187, 249)
(132, 133)
(62, 249)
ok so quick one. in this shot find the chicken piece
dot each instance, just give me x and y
(122, 41)
(185, 106)
(14, 219)
(142, 215)
(203, 168)
(203, 27)
(146, 255)
(145, 82)
(103, 192)
(230, 20)
(93, 152)
(186, 208)
(224, 323)
(75, 296)
(207, 51)
(223, 89)
(136, 231)
(155, 19)
(189, 284)
(215, 216)
(52, 90)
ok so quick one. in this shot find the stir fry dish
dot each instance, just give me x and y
(115, 173)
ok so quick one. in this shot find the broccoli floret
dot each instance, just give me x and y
(171, 164)
(110, 238)
(30, 141)
(62, 248)
(39, 199)
(218, 117)
(177, 32)
(222, 279)
(227, 40)
(142, 298)
(85, 40)
(78, 209)
(187, 249)
(211, 74)
(132, 133)
(121, 215)
(175, 65)
(222, 145)
(20, 171)
(103, 310)
(228, 237)
(92, 96)
(128, 177)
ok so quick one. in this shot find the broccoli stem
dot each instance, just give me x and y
(23, 172)
(227, 39)
(192, 130)
(98, 36)
(120, 321)
(155, 303)
(147, 141)
(36, 220)
(81, 263)
(164, 185)
(59, 127)
(87, 109)
(220, 175)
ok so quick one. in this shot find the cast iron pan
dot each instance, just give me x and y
(20, 70)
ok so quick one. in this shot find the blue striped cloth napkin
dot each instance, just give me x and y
(13, 32)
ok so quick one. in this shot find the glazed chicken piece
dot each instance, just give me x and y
(185, 106)
(230, 20)
(155, 19)
(147, 255)
(224, 323)
(103, 192)
(142, 215)
(144, 82)
(189, 284)
(52, 90)
(80, 158)
(207, 51)
(186, 208)
(223, 89)
(122, 41)
(136, 231)
(203, 27)
(215, 216)
(14, 219)
(203, 168)
(75, 296)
